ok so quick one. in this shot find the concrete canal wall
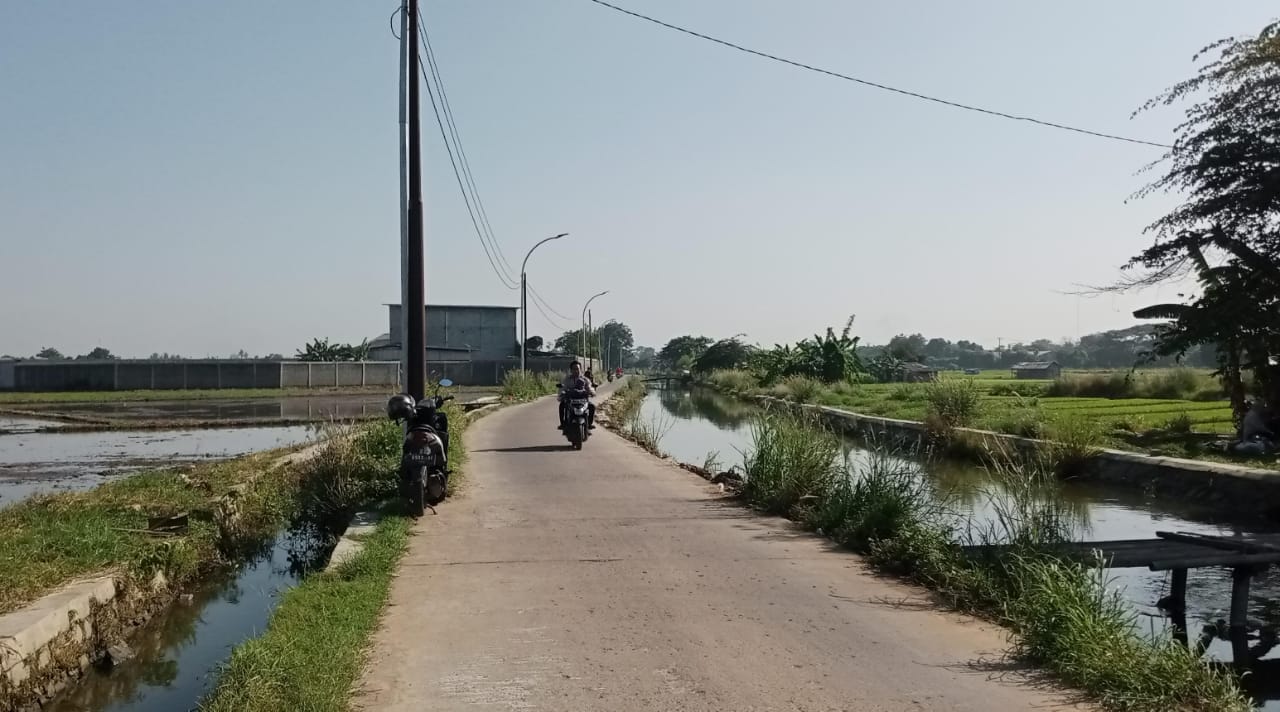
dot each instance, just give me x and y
(1237, 487)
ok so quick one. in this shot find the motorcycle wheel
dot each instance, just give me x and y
(436, 488)
(415, 496)
(581, 437)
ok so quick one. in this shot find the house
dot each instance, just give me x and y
(456, 333)
(917, 373)
(1037, 369)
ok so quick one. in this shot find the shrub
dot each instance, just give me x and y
(1180, 424)
(1092, 385)
(525, 385)
(1023, 421)
(800, 389)
(1076, 439)
(953, 401)
(906, 392)
(737, 381)
(1028, 390)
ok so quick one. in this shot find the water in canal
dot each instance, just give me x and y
(180, 651)
(700, 422)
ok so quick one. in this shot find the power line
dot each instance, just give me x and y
(461, 185)
(547, 316)
(885, 87)
(462, 155)
(546, 304)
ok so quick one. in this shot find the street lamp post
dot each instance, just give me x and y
(585, 342)
(524, 300)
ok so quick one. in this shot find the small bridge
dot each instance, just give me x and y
(1179, 552)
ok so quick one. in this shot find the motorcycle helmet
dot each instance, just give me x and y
(400, 407)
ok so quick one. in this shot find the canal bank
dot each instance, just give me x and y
(701, 426)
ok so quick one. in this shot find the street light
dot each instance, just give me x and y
(583, 331)
(524, 300)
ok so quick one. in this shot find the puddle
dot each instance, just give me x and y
(35, 462)
(179, 652)
(697, 422)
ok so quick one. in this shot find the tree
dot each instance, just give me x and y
(641, 357)
(907, 348)
(682, 351)
(723, 354)
(534, 343)
(323, 350)
(97, 354)
(827, 358)
(1224, 158)
(50, 354)
(241, 355)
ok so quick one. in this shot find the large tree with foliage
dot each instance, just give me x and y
(682, 351)
(723, 354)
(1226, 162)
(828, 358)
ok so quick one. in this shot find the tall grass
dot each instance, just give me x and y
(953, 401)
(736, 381)
(791, 460)
(1062, 615)
(648, 433)
(1075, 439)
(1173, 383)
(800, 389)
(526, 385)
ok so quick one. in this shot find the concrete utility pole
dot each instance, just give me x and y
(416, 304)
(524, 300)
(404, 196)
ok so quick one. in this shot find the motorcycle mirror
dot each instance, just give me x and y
(445, 383)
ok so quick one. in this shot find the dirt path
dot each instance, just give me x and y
(609, 580)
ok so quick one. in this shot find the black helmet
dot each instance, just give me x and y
(400, 407)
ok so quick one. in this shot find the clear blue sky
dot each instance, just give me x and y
(207, 177)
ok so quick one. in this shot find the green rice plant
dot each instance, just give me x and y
(1014, 388)
(1023, 421)
(792, 460)
(1092, 385)
(906, 392)
(1173, 383)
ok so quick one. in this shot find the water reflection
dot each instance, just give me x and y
(179, 651)
(707, 422)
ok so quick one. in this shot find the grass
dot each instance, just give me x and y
(1144, 420)
(1061, 614)
(527, 385)
(52, 539)
(314, 647)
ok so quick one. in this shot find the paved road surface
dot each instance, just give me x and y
(609, 580)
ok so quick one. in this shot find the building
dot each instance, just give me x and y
(456, 333)
(1037, 369)
(917, 373)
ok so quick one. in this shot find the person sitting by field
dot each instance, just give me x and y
(1256, 435)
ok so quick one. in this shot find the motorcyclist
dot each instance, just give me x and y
(577, 381)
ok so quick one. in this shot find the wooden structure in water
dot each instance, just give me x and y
(1179, 552)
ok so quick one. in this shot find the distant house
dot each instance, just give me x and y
(917, 373)
(1037, 369)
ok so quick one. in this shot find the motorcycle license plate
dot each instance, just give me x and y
(418, 458)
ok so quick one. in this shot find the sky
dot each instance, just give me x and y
(205, 178)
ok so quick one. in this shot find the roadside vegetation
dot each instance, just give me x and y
(1174, 412)
(526, 385)
(313, 650)
(51, 539)
(1060, 612)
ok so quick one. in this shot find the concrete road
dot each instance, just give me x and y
(607, 579)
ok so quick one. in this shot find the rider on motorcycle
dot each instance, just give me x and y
(576, 381)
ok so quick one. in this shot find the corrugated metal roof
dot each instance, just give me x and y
(1033, 365)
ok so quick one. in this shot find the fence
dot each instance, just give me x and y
(131, 375)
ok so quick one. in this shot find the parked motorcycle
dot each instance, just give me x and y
(424, 459)
(577, 423)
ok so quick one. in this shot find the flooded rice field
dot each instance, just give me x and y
(39, 462)
(699, 423)
(351, 406)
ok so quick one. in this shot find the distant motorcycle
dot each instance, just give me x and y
(424, 458)
(576, 425)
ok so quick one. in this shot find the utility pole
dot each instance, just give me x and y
(586, 327)
(404, 197)
(416, 304)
